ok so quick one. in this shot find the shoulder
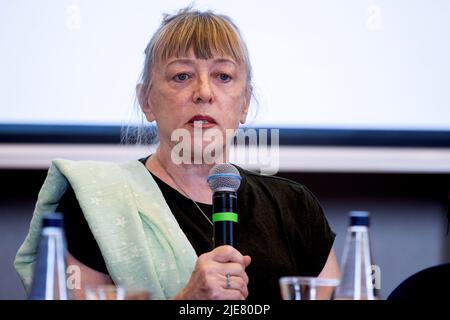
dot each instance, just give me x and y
(88, 168)
(277, 186)
(86, 177)
(81, 164)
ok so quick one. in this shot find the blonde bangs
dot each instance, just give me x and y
(206, 34)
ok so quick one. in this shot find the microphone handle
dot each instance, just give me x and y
(225, 218)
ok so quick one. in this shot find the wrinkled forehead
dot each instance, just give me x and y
(202, 53)
(192, 58)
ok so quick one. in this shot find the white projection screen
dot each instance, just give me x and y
(318, 64)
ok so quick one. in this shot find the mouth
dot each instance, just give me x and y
(202, 121)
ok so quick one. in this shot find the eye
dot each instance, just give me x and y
(181, 77)
(224, 77)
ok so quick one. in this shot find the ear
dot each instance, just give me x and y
(144, 103)
(244, 112)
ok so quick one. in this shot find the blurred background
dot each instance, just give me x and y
(358, 89)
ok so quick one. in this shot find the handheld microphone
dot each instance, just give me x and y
(224, 180)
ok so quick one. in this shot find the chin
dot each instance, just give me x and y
(209, 152)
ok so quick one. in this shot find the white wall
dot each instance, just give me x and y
(343, 64)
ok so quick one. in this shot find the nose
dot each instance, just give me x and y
(203, 91)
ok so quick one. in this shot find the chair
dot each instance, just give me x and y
(429, 284)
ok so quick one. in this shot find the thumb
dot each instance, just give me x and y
(247, 260)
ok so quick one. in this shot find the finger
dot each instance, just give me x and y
(244, 277)
(232, 268)
(235, 272)
(236, 283)
(232, 294)
(247, 261)
(227, 254)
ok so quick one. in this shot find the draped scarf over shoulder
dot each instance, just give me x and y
(140, 239)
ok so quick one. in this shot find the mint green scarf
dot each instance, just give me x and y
(139, 238)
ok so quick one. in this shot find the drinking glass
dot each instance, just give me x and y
(307, 288)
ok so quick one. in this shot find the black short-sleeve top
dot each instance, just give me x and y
(281, 226)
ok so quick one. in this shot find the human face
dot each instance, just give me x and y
(212, 93)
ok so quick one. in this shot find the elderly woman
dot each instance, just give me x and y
(147, 222)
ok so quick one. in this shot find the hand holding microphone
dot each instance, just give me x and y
(220, 274)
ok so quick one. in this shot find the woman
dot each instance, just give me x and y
(148, 222)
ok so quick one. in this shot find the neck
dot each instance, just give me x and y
(189, 179)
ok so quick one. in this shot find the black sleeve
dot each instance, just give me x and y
(80, 241)
(310, 235)
(321, 235)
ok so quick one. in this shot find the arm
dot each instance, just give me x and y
(81, 244)
(207, 280)
(330, 270)
(84, 277)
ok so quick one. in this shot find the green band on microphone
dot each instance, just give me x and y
(225, 216)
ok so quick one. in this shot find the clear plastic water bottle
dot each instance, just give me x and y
(358, 281)
(49, 278)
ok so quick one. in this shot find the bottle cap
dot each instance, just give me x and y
(359, 218)
(54, 219)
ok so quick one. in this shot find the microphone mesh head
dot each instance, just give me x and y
(224, 177)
